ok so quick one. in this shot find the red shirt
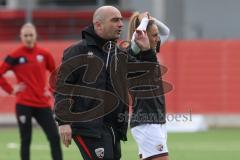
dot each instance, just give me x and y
(29, 66)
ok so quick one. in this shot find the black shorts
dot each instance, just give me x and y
(107, 147)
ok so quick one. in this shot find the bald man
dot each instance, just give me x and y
(30, 63)
(98, 137)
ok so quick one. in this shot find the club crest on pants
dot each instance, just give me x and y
(159, 147)
(99, 152)
(22, 119)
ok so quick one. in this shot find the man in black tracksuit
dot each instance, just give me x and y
(98, 134)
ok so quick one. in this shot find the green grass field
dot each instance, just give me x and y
(215, 144)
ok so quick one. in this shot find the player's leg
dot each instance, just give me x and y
(158, 157)
(117, 153)
(156, 140)
(93, 148)
(138, 135)
(84, 146)
(117, 150)
(152, 141)
(24, 119)
(45, 119)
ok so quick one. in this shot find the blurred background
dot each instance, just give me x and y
(202, 57)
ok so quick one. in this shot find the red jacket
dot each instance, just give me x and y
(29, 66)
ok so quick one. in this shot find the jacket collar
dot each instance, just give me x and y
(92, 38)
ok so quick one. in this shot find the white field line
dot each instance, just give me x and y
(13, 145)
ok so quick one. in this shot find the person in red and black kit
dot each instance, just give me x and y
(29, 63)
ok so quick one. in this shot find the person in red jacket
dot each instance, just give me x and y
(29, 63)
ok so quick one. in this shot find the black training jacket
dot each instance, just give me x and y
(92, 46)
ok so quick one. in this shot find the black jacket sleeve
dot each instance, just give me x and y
(72, 78)
(148, 55)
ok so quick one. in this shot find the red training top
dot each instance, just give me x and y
(29, 66)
